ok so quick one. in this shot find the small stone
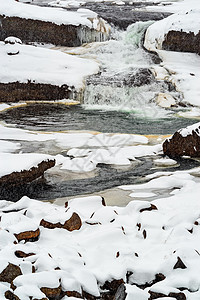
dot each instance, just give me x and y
(179, 264)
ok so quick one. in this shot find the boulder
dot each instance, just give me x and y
(74, 223)
(184, 142)
(28, 236)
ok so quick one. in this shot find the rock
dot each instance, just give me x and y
(184, 142)
(112, 286)
(11, 296)
(179, 264)
(178, 296)
(151, 207)
(52, 293)
(182, 41)
(16, 91)
(165, 100)
(47, 32)
(20, 178)
(21, 254)
(28, 236)
(121, 293)
(10, 273)
(74, 223)
(12, 40)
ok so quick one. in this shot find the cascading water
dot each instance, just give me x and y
(125, 82)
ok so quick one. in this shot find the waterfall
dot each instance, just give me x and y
(125, 81)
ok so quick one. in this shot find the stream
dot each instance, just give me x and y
(119, 99)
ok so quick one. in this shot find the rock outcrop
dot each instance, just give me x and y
(182, 41)
(16, 91)
(184, 142)
(26, 176)
(48, 32)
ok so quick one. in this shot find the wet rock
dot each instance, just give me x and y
(28, 236)
(142, 77)
(16, 91)
(183, 144)
(123, 16)
(10, 273)
(74, 223)
(47, 32)
(165, 100)
(182, 41)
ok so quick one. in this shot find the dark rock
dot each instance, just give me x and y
(16, 91)
(179, 264)
(178, 296)
(74, 294)
(151, 207)
(52, 293)
(10, 273)
(182, 41)
(179, 145)
(123, 16)
(20, 178)
(11, 296)
(74, 223)
(21, 254)
(113, 285)
(121, 293)
(28, 236)
(47, 32)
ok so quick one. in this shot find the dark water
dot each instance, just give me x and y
(52, 187)
(52, 117)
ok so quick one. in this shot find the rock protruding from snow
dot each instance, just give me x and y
(179, 32)
(184, 142)
(12, 40)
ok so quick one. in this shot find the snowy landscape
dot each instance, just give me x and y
(99, 149)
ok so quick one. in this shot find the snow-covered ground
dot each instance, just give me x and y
(12, 8)
(35, 64)
(134, 243)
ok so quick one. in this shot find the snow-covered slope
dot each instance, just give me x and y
(40, 65)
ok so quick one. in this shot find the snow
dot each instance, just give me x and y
(36, 65)
(106, 250)
(189, 129)
(20, 162)
(12, 8)
(181, 69)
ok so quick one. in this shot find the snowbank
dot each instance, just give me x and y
(12, 8)
(40, 65)
(187, 21)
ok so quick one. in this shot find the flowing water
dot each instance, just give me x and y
(120, 98)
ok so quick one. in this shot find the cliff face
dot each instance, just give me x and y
(182, 41)
(30, 30)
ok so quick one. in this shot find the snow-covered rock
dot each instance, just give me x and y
(185, 141)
